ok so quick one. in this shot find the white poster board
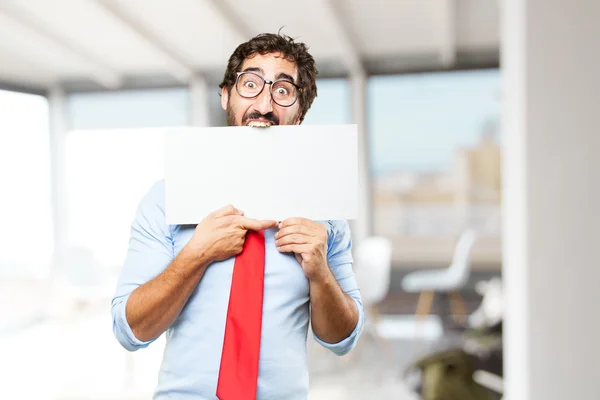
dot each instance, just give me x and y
(275, 173)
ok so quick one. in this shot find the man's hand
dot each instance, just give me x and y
(308, 239)
(222, 233)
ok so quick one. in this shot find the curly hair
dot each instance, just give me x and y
(266, 43)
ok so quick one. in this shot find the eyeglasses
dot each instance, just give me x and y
(283, 92)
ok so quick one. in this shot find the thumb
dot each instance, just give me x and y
(268, 224)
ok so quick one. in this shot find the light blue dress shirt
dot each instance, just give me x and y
(192, 355)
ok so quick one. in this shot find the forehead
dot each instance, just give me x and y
(272, 64)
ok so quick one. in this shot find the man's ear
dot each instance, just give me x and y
(224, 97)
(298, 120)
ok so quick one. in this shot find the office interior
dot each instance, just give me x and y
(476, 237)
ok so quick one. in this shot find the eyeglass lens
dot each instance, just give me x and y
(250, 85)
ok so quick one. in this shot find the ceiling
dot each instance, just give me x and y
(109, 44)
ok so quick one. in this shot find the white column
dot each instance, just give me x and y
(59, 126)
(362, 227)
(551, 95)
(199, 106)
(447, 9)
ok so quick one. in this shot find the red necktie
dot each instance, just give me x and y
(238, 374)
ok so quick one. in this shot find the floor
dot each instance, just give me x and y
(51, 358)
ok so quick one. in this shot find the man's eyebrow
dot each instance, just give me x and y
(287, 77)
(281, 75)
(254, 69)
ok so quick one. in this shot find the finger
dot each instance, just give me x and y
(254, 224)
(294, 238)
(294, 221)
(268, 224)
(224, 211)
(293, 229)
(294, 248)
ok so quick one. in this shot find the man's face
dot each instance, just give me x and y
(262, 110)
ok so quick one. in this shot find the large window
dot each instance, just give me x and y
(332, 105)
(109, 165)
(108, 172)
(109, 168)
(435, 155)
(26, 239)
(129, 109)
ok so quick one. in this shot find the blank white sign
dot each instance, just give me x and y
(271, 173)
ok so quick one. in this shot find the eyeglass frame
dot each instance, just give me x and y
(265, 82)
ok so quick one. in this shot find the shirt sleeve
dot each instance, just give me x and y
(339, 257)
(149, 253)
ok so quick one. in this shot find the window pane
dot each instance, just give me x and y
(109, 169)
(435, 160)
(108, 172)
(26, 235)
(129, 109)
(332, 105)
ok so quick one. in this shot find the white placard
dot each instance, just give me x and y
(308, 171)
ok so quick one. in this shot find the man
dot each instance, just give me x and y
(182, 279)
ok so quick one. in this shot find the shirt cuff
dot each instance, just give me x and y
(344, 346)
(123, 331)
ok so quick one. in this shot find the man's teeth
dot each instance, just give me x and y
(259, 124)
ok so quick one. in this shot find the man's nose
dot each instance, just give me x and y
(264, 102)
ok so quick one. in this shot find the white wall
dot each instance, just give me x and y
(551, 65)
